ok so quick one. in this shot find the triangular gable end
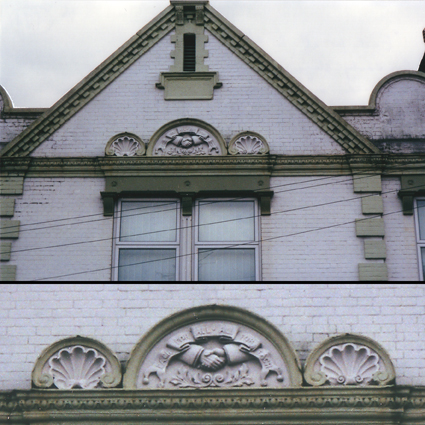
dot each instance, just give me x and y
(322, 115)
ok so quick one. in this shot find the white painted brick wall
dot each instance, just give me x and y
(400, 112)
(49, 199)
(327, 254)
(132, 103)
(400, 238)
(34, 316)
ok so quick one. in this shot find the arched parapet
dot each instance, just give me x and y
(212, 347)
(186, 137)
(349, 360)
(5, 101)
(77, 362)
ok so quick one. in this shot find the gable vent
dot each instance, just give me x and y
(189, 55)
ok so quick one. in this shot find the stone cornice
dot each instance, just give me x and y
(386, 405)
(323, 116)
(91, 85)
(273, 165)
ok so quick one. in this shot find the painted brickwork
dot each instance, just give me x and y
(402, 258)
(400, 112)
(34, 316)
(50, 199)
(315, 248)
(132, 103)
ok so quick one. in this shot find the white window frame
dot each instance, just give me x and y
(255, 244)
(420, 243)
(117, 245)
(187, 242)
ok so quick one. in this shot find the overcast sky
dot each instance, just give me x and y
(338, 49)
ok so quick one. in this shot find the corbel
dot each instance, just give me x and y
(179, 15)
(411, 187)
(199, 17)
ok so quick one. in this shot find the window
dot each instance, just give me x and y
(154, 241)
(420, 234)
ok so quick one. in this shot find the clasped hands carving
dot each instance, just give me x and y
(212, 359)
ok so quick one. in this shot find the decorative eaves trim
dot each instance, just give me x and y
(323, 116)
(91, 85)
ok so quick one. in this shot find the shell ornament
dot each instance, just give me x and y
(77, 367)
(125, 146)
(247, 145)
(349, 364)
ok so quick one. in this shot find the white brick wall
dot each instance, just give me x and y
(34, 316)
(402, 257)
(52, 199)
(327, 254)
(132, 103)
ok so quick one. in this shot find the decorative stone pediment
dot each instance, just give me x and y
(186, 137)
(77, 363)
(349, 360)
(248, 143)
(212, 347)
(125, 144)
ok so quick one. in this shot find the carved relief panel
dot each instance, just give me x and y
(186, 137)
(211, 354)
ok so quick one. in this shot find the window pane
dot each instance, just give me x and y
(147, 264)
(226, 264)
(423, 262)
(421, 219)
(148, 221)
(235, 221)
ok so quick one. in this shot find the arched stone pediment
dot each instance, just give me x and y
(213, 347)
(349, 360)
(186, 137)
(77, 363)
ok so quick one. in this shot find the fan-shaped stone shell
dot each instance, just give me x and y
(77, 367)
(125, 146)
(349, 364)
(248, 145)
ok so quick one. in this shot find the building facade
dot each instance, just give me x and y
(190, 154)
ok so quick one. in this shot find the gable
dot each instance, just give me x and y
(319, 116)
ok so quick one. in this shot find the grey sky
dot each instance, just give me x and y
(338, 49)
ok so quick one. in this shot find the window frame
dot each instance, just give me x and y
(420, 243)
(187, 242)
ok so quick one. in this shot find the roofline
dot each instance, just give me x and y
(372, 99)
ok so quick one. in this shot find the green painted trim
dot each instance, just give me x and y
(11, 185)
(370, 227)
(364, 183)
(374, 249)
(109, 380)
(373, 271)
(66, 107)
(5, 250)
(7, 207)
(211, 312)
(318, 378)
(7, 272)
(322, 115)
(388, 405)
(188, 85)
(183, 122)
(233, 151)
(411, 187)
(9, 229)
(372, 205)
